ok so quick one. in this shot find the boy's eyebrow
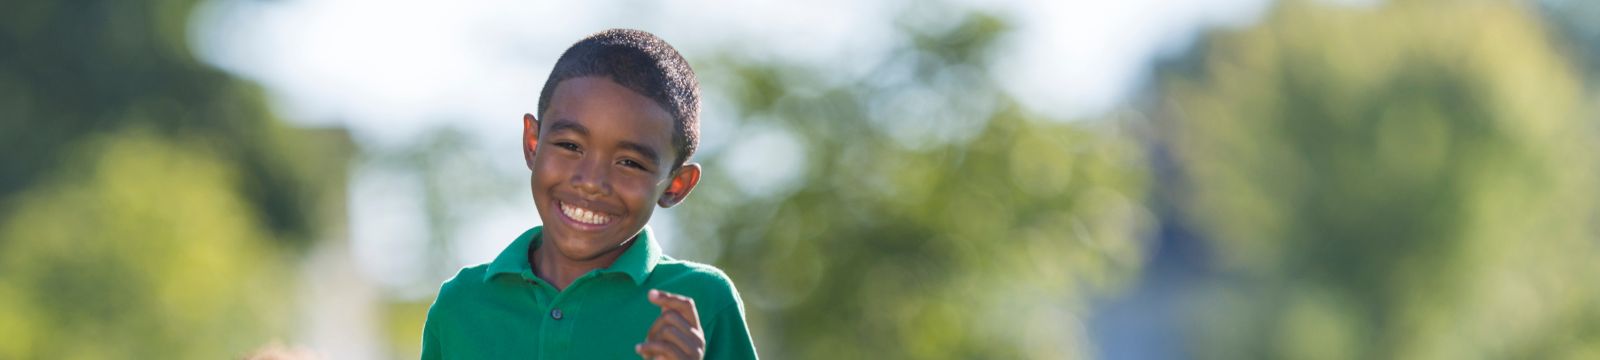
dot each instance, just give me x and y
(569, 125)
(648, 152)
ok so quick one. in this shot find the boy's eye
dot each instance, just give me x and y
(632, 164)
(567, 145)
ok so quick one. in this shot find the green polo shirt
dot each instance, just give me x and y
(500, 310)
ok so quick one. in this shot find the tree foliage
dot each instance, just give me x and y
(150, 207)
(1415, 180)
(71, 70)
(122, 259)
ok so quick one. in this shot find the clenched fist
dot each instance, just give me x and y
(676, 333)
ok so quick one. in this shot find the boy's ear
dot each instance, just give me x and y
(530, 138)
(683, 181)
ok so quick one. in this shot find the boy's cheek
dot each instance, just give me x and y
(639, 195)
(547, 166)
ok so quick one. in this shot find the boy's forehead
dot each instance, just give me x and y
(598, 104)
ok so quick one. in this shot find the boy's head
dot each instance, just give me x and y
(618, 120)
(641, 62)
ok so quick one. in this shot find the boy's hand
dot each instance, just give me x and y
(676, 333)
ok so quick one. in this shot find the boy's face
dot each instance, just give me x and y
(602, 160)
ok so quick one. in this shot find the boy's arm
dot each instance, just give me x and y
(430, 339)
(728, 337)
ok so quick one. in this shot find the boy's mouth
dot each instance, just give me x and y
(583, 216)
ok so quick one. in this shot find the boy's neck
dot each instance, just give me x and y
(560, 272)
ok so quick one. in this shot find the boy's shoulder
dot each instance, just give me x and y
(708, 285)
(467, 281)
(685, 270)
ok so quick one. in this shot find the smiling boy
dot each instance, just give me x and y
(618, 120)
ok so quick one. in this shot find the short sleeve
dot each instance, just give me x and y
(431, 349)
(729, 337)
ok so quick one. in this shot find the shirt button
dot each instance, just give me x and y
(555, 314)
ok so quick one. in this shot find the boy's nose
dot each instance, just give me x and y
(590, 179)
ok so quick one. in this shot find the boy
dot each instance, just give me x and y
(618, 120)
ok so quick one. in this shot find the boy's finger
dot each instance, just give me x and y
(647, 353)
(684, 340)
(666, 320)
(671, 327)
(659, 350)
(682, 304)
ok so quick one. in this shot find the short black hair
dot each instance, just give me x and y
(641, 62)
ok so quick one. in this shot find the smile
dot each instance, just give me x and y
(582, 215)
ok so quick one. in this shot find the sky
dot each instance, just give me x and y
(392, 70)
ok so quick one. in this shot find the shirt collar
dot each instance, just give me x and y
(637, 261)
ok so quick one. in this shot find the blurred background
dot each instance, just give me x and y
(1142, 179)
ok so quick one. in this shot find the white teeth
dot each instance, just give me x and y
(584, 215)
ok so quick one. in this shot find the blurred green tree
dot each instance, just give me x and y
(74, 69)
(123, 259)
(930, 216)
(1415, 180)
(150, 207)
